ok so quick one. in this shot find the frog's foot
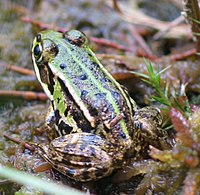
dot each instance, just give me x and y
(80, 156)
(148, 121)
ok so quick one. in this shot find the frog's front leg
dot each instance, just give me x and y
(54, 125)
(80, 156)
(50, 117)
(51, 127)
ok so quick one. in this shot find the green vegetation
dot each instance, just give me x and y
(35, 182)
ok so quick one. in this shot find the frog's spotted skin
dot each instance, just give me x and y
(95, 119)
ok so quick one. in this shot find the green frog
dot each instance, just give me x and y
(94, 123)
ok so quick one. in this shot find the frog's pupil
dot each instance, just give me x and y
(37, 50)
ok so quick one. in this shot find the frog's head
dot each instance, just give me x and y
(51, 52)
(45, 46)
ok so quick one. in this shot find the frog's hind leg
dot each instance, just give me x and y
(81, 156)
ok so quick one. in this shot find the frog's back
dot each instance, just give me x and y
(98, 97)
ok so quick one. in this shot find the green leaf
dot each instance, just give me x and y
(140, 74)
(161, 100)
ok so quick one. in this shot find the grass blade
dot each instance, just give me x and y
(36, 182)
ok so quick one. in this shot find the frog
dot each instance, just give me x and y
(94, 123)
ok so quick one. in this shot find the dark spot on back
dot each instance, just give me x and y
(84, 59)
(116, 95)
(95, 64)
(91, 68)
(83, 94)
(83, 77)
(63, 66)
(100, 95)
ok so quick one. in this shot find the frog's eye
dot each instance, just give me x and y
(76, 37)
(37, 52)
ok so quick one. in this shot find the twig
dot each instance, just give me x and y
(140, 41)
(137, 17)
(42, 25)
(18, 69)
(175, 22)
(39, 168)
(100, 41)
(18, 141)
(27, 95)
(180, 56)
(106, 42)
